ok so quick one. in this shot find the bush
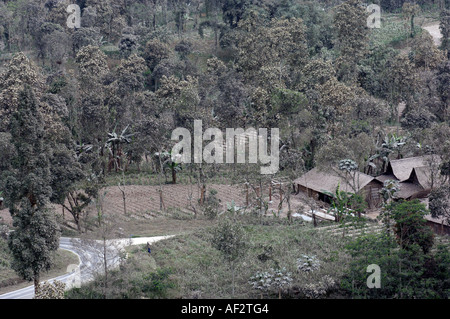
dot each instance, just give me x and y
(156, 284)
(405, 273)
(211, 205)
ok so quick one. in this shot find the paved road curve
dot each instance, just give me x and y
(91, 255)
(435, 32)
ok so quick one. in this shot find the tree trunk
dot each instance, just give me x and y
(174, 176)
(232, 279)
(281, 197)
(36, 283)
(202, 194)
(124, 199)
(105, 264)
(246, 194)
(124, 203)
(161, 201)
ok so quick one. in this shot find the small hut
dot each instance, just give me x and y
(319, 184)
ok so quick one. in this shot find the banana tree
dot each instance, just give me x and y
(344, 205)
(114, 146)
(390, 144)
(170, 162)
(339, 204)
(388, 193)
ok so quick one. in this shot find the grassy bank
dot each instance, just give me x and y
(187, 266)
(10, 281)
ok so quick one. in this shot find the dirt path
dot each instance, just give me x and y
(433, 29)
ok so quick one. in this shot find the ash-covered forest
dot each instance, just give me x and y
(92, 90)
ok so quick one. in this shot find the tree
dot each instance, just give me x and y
(53, 44)
(444, 26)
(233, 11)
(123, 92)
(440, 202)
(93, 112)
(270, 52)
(230, 239)
(34, 241)
(426, 54)
(67, 174)
(109, 17)
(20, 71)
(350, 22)
(335, 104)
(85, 36)
(28, 191)
(409, 11)
(401, 79)
(443, 82)
(223, 88)
(155, 51)
(404, 273)
(114, 146)
(409, 224)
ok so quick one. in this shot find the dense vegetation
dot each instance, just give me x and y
(82, 106)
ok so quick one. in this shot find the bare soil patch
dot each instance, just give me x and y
(144, 217)
(141, 199)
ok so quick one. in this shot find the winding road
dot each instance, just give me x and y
(91, 255)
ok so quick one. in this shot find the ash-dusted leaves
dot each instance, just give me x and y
(229, 238)
(320, 289)
(272, 280)
(49, 290)
(308, 263)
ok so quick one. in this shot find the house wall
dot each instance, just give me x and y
(371, 193)
(309, 192)
(439, 228)
(422, 194)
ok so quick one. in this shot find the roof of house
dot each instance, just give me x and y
(385, 177)
(423, 175)
(437, 220)
(408, 189)
(402, 168)
(327, 181)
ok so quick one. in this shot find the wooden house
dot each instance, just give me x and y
(414, 174)
(320, 184)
